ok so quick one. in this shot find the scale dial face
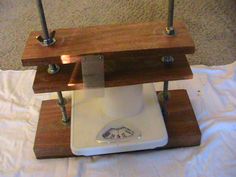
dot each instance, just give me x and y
(117, 133)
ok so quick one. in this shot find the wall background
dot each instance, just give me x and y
(211, 23)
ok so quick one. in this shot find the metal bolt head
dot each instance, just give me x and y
(65, 120)
(170, 31)
(167, 59)
(48, 42)
(53, 69)
(162, 96)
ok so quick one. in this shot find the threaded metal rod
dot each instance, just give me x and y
(62, 104)
(53, 69)
(170, 13)
(165, 90)
(165, 99)
(170, 21)
(42, 19)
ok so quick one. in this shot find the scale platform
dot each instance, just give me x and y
(93, 132)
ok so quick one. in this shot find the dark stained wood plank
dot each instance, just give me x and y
(181, 124)
(130, 70)
(145, 69)
(108, 40)
(45, 82)
(53, 138)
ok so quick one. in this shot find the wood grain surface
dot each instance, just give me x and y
(53, 138)
(125, 71)
(108, 40)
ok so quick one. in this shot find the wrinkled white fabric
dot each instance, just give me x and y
(212, 93)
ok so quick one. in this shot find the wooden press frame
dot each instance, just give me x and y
(156, 49)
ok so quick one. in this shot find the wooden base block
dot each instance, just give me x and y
(181, 124)
(53, 137)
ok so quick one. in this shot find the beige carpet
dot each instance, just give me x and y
(211, 23)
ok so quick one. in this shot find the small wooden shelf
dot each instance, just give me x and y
(53, 138)
(109, 40)
(125, 71)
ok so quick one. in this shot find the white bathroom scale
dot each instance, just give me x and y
(96, 127)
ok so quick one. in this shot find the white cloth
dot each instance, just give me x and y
(213, 96)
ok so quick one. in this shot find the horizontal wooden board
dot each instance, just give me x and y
(108, 40)
(53, 138)
(44, 82)
(125, 71)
